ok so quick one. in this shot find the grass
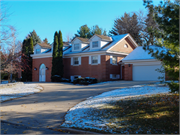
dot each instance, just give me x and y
(155, 114)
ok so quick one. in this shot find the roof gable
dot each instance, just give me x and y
(84, 40)
(102, 37)
(44, 45)
(140, 54)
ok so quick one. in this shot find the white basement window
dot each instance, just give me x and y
(75, 61)
(94, 44)
(76, 47)
(94, 59)
(114, 76)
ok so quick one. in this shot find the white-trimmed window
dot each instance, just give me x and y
(114, 60)
(114, 76)
(38, 51)
(76, 46)
(95, 44)
(75, 61)
(94, 59)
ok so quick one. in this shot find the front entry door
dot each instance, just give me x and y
(42, 73)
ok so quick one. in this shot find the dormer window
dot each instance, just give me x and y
(38, 51)
(95, 44)
(76, 46)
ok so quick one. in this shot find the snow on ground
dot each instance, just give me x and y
(82, 115)
(17, 90)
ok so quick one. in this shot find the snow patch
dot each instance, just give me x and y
(18, 90)
(83, 114)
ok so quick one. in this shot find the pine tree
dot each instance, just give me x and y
(35, 37)
(167, 16)
(127, 24)
(60, 54)
(27, 50)
(55, 57)
(84, 32)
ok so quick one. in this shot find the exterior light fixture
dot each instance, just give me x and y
(47, 68)
(35, 68)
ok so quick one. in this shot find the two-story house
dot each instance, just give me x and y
(96, 57)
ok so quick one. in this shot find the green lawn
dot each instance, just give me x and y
(155, 114)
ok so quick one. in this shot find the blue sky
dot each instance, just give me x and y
(46, 17)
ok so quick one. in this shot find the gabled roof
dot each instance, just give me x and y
(84, 40)
(65, 44)
(44, 45)
(140, 54)
(104, 37)
(114, 41)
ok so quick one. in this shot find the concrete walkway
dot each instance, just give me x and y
(48, 108)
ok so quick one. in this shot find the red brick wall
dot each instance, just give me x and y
(85, 69)
(128, 72)
(101, 71)
(120, 46)
(36, 64)
(112, 69)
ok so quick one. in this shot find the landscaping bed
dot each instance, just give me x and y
(134, 110)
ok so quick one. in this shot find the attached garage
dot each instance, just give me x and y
(146, 73)
(141, 66)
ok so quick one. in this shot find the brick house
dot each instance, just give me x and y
(96, 57)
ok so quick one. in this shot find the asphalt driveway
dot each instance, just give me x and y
(48, 108)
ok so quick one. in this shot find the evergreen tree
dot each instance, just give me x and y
(55, 69)
(60, 54)
(84, 32)
(27, 50)
(96, 30)
(167, 16)
(35, 37)
(151, 24)
(127, 24)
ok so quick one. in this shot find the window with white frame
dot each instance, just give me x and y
(38, 51)
(114, 60)
(76, 46)
(75, 61)
(94, 59)
(114, 76)
(94, 44)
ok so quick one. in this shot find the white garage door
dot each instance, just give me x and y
(146, 73)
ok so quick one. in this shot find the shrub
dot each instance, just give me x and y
(56, 78)
(174, 87)
(85, 81)
(65, 80)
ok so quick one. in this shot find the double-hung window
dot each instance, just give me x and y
(114, 60)
(76, 46)
(95, 44)
(75, 61)
(94, 59)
